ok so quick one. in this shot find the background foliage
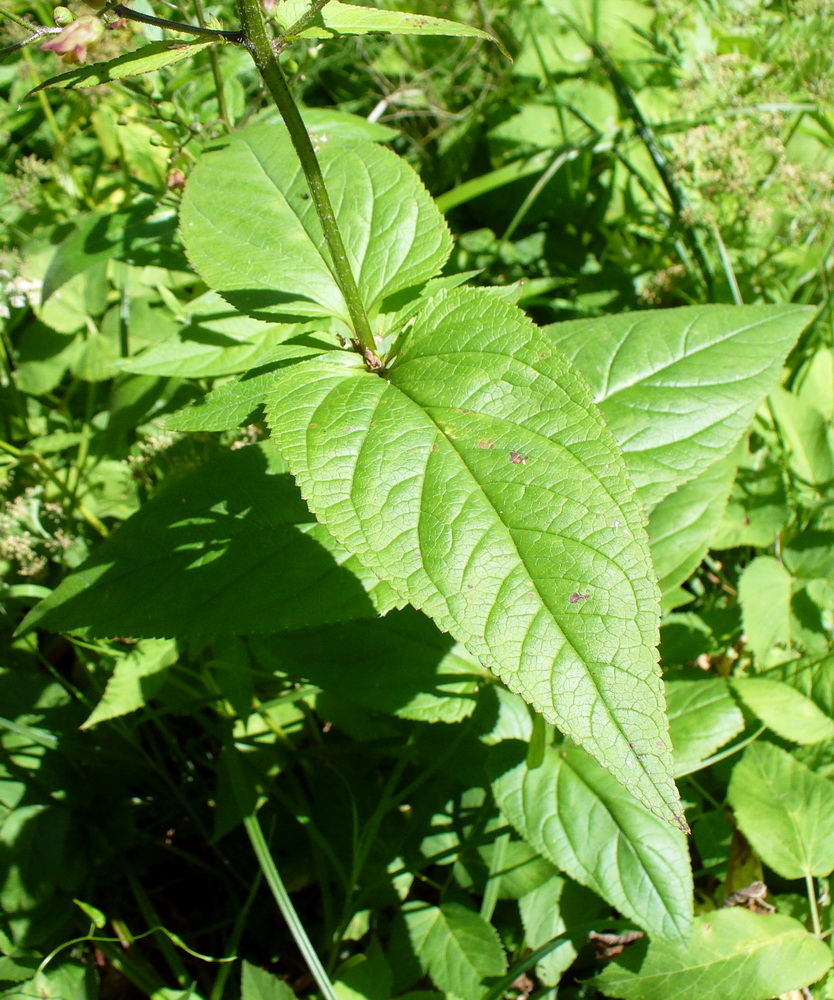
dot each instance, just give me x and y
(431, 832)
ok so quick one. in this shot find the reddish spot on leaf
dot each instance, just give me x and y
(517, 459)
(435, 446)
(579, 597)
(312, 427)
(485, 443)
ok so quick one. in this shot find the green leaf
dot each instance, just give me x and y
(349, 19)
(228, 550)
(148, 59)
(455, 946)
(138, 236)
(137, 676)
(810, 555)
(682, 524)
(576, 815)
(69, 979)
(478, 478)
(804, 430)
(258, 984)
(764, 592)
(758, 509)
(785, 811)
(813, 677)
(399, 664)
(93, 912)
(784, 710)
(733, 952)
(225, 407)
(218, 340)
(365, 977)
(546, 912)
(678, 387)
(702, 718)
(250, 190)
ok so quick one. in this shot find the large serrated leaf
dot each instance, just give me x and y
(479, 479)
(574, 813)
(678, 387)
(731, 954)
(229, 550)
(251, 229)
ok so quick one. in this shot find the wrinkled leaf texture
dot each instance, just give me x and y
(251, 230)
(479, 479)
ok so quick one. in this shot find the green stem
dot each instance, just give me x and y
(812, 903)
(288, 911)
(22, 22)
(162, 22)
(260, 48)
(214, 61)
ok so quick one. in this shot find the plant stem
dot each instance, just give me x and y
(215, 72)
(260, 47)
(288, 911)
(20, 21)
(162, 22)
(812, 903)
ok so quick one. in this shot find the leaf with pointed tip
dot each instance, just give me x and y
(147, 59)
(575, 814)
(678, 387)
(251, 230)
(478, 478)
(455, 946)
(350, 19)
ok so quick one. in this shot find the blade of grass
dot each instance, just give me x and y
(285, 905)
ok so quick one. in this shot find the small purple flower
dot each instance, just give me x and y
(72, 43)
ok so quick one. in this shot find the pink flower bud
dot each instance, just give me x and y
(73, 41)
